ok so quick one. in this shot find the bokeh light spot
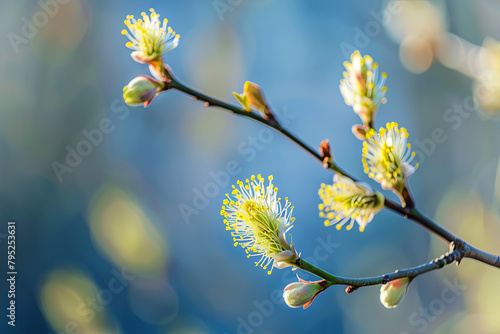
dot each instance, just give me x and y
(63, 300)
(124, 233)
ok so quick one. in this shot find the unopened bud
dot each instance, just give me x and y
(392, 293)
(243, 100)
(253, 96)
(302, 293)
(325, 152)
(142, 90)
(324, 149)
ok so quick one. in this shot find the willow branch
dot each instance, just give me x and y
(409, 213)
(212, 102)
(416, 216)
(411, 273)
(479, 255)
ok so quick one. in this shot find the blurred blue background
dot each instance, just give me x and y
(127, 238)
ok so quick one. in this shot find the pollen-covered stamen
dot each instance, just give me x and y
(387, 157)
(347, 202)
(362, 87)
(258, 221)
(149, 37)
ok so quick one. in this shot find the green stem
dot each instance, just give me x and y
(411, 273)
(306, 266)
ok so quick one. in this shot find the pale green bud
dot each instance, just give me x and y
(243, 100)
(253, 96)
(392, 293)
(302, 293)
(142, 90)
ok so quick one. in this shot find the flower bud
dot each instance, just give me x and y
(142, 90)
(243, 100)
(324, 149)
(392, 293)
(302, 293)
(325, 152)
(253, 96)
